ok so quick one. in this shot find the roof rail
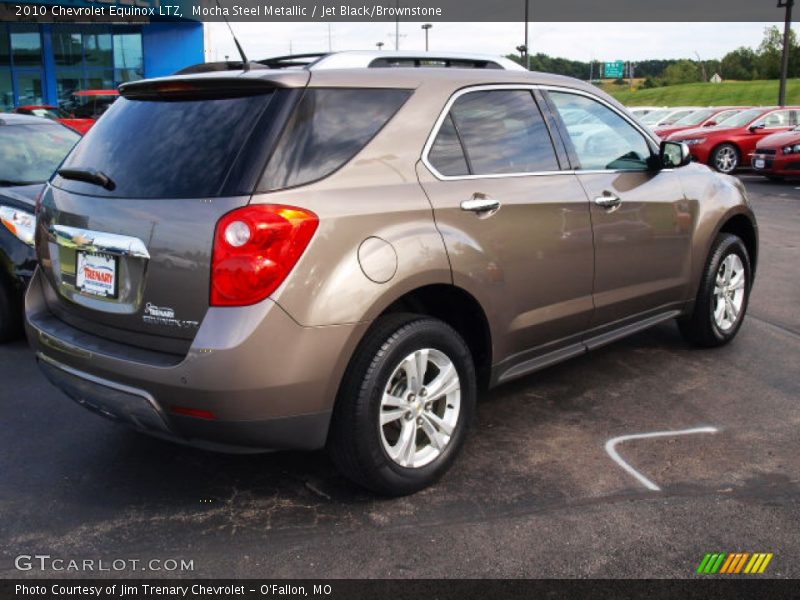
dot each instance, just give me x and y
(363, 59)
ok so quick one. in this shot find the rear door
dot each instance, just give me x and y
(641, 221)
(516, 228)
(126, 249)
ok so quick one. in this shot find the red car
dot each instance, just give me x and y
(778, 155)
(86, 106)
(725, 146)
(702, 117)
(47, 111)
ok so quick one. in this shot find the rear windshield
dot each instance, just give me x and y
(30, 153)
(169, 148)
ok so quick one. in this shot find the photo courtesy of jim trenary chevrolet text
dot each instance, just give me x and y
(399, 299)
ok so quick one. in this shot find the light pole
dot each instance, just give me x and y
(526, 59)
(380, 46)
(426, 27)
(522, 50)
(787, 29)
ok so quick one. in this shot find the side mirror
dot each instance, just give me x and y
(756, 126)
(674, 154)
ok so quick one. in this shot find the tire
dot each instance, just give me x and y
(362, 448)
(725, 158)
(704, 327)
(10, 315)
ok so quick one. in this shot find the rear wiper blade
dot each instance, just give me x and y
(89, 176)
(12, 183)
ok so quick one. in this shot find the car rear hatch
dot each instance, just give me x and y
(125, 229)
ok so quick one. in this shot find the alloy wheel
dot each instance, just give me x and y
(726, 159)
(729, 289)
(420, 408)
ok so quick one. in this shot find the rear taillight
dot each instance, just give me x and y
(255, 248)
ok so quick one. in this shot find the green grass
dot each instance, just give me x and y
(755, 93)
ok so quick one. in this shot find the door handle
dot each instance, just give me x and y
(480, 205)
(608, 200)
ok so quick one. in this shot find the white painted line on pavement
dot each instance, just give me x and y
(612, 452)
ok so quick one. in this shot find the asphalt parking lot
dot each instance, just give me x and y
(535, 493)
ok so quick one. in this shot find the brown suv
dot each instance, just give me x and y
(273, 258)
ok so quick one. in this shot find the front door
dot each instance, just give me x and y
(516, 228)
(641, 221)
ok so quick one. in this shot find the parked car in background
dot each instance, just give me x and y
(702, 117)
(666, 116)
(30, 150)
(725, 146)
(640, 111)
(778, 155)
(364, 250)
(45, 111)
(86, 106)
(54, 113)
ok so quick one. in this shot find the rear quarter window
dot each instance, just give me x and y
(326, 130)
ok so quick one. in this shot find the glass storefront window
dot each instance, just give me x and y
(29, 87)
(97, 50)
(67, 48)
(128, 50)
(99, 79)
(68, 81)
(26, 46)
(6, 89)
(5, 56)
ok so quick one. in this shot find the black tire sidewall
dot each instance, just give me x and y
(427, 333)
(729, 244)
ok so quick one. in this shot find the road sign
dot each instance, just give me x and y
(614, 70)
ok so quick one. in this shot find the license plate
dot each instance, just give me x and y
(97, 274)
(758, 163)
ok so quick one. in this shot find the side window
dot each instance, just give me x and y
(781, 118)
(327, 129)
(601, 138)
(502, 131)
(447, 154)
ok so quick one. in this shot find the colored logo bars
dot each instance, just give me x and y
(734, 563)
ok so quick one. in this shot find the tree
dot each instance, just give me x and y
(770, 50)
(741, 64)
(682, 71)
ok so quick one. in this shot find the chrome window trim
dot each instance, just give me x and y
(526, 87)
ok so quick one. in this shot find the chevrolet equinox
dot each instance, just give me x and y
(297, 258)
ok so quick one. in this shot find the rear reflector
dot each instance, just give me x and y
(255, 248)
(193, 412)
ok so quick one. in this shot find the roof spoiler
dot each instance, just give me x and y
(192, 89)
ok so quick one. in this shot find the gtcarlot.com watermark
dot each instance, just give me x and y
(46, 562)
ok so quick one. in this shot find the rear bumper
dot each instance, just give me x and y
(260, 380)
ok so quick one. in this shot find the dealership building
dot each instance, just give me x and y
(43, 62)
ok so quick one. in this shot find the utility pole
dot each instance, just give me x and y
(631, 68)
(787, 30)
(397, 28)
(330, 44)
(426, 27)
(527, 57)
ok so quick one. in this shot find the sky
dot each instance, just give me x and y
(578, 41)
